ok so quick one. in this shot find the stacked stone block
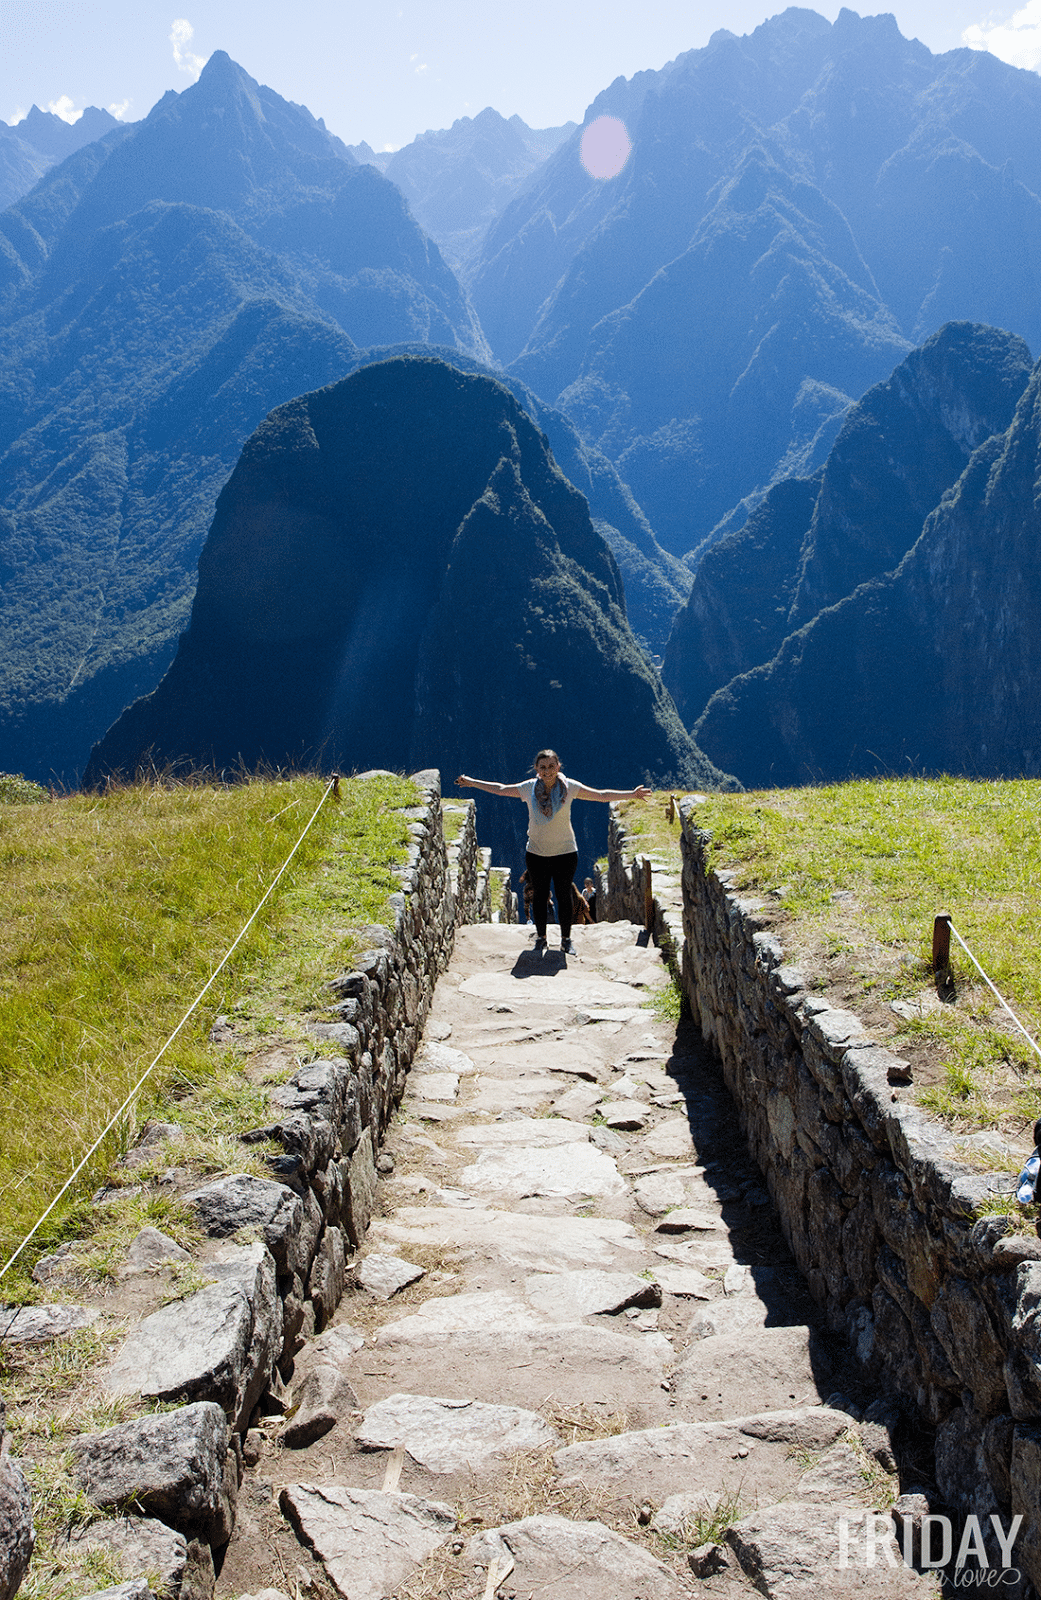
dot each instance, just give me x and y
(222, 1349)
(941, 1304)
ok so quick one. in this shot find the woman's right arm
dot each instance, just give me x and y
(511, 790)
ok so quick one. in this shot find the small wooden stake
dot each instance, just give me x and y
(498, 1572)
(941, 942)
(942, 957)
(393, 1470)
(336, 786)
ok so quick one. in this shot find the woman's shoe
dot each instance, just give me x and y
(568, 948)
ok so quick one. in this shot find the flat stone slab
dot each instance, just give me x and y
(530, 1243)
(384, 1276)
(570, 1171)
(707, 1252)
(493, 1094)
(41, 1324)
(452, 1435)
(536, 1133)
(625, 1114)
(519, 1362)
(689, 1219)
(687, 1457)
(578, 1103)
(566, 989)
(434, 1086)
(780, 1367)
(627, 1088)
(686, 1282)
(471, 1312)
(791, 1552)
(670, 1138)
(660, 1192)
(368, 1542)
(433, 1057)
(568, 1296)
(551, 1555)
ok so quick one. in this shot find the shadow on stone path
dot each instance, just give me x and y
(576, 1342)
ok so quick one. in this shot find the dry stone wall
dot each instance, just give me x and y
(220, 1352)
(897, 1239)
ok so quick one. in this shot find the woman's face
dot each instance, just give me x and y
(547, 769)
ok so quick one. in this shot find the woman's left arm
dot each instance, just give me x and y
(641, 792)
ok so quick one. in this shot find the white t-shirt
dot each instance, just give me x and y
(552, 836)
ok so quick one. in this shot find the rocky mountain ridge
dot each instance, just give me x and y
(397, 566)
(813, 541)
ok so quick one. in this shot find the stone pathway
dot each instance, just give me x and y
(575, 1342)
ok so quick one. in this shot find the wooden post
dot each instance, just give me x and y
(942, 958)
(648, 897)
(671, 811)
(336, 786)
(941, 942)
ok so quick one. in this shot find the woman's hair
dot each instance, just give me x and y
(545, 755)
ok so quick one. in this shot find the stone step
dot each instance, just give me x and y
(604, 1350)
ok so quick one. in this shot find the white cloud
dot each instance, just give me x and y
(19, 116)
(181, 35)
(120, 108)
(1017, 41)
(64, 108)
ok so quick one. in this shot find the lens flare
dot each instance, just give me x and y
(605, 147)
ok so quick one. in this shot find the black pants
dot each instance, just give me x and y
(560, 871)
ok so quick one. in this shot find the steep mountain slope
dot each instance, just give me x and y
(160, 292)
(31, 147)
(801, 205)
(811, 542)
(457, 180)
(398, 574)
(656, 584)
(931, 668)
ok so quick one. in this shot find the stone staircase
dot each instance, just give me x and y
(575, 1359)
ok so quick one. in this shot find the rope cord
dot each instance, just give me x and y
(110, 1124)
(1031, 1042)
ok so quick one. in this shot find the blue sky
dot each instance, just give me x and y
(385, 70)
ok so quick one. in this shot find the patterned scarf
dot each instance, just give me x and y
(549, 801)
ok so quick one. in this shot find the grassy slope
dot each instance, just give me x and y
(852, 876)
(113, 913)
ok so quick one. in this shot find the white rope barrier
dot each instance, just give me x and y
(1031, 1042)
(110, 1124)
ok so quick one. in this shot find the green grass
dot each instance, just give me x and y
(650, 831)
(114, 910)
(856, 874)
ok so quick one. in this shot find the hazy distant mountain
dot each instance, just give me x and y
(459, 179)
(929, 660)
(801, 206)
(399, 575)
(30, 147)
(160, 291)
(813, 541)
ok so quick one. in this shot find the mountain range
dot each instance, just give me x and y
(161, 290)
(929, 667)
(398, 574)
(803, 210)
(37, 143)
(801, 207)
